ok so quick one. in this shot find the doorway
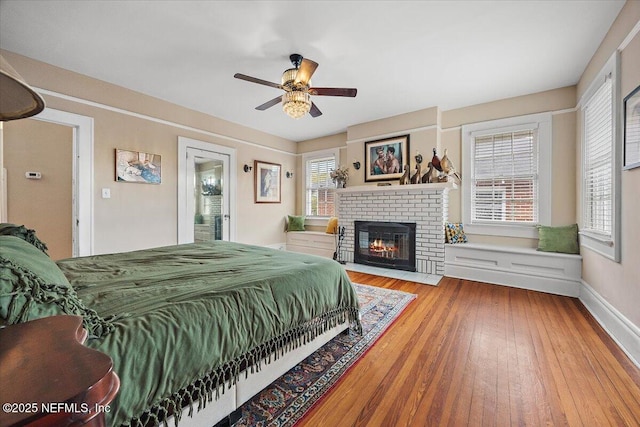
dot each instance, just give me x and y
(82, 176)
(206, 191)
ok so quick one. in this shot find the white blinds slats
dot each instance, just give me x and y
(320, 187)
(505, 181)
(598, 179)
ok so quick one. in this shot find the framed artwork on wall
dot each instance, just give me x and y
(134, 166)
(632, 129)
(268, 180)
(384, 158)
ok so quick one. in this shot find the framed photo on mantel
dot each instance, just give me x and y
(384, 158)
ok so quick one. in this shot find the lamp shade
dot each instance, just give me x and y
(17, 99)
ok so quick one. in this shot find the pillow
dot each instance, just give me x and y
(296, 223)
(332, 225)
(24, 233)
(454, 233)
(562, 239)
(32, 286)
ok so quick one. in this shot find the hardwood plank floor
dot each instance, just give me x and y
(472, 354)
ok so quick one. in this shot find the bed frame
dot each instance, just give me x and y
(223, 411)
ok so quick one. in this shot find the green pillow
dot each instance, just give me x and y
(296, 223)
(24, 233)
(32, 286)
(562, 239)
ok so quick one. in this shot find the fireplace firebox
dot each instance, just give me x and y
(385, 244)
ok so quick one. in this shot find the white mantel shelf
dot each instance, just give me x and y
(397, 187)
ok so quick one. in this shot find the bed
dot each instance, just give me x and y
(187, 326)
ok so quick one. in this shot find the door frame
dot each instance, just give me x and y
(185, 224)
(82, 181)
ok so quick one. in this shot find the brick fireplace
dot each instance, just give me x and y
(426, 205)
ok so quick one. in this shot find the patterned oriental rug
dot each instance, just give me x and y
(291, 396)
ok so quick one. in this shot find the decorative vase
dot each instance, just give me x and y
(341, 183)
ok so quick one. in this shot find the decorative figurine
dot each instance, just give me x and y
(404, 179)
(436, 161)
(415, 178)
(431, 175)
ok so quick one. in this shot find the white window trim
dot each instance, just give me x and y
(315, 220)
(608, 247)
(543, 123)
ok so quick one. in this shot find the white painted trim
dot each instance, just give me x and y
(619, 328)
(635, 30)
(523, 268)
(82, 175)
(318, 154)
(609, 248)
(392, 134)
(543, 123)
(154, 119)
(183, 221)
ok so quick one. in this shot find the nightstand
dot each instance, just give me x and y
(49, 378)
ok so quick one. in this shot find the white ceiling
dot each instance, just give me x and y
(402, 56)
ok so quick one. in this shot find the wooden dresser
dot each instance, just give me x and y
(48, 378)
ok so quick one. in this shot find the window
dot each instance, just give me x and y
(507, 167)
(600, 167)
(319, 189)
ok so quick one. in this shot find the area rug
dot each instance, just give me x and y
(291, 396)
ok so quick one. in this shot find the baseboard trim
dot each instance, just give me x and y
(619, 328)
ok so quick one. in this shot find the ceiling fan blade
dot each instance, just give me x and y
(256, 80)
(333, 91)
(269, 104)
(306, 70)
(315, 111)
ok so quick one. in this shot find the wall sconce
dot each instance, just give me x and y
(356, 165)
(247, 168)
(289, 174)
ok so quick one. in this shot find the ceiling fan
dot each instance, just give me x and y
(296, 82)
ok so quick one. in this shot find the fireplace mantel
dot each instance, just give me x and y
(371, 188)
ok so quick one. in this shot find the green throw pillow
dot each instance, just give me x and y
(562, 239)
(32, 286)
(296, 223)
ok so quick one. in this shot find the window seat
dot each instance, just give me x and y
(312, 242)
(525, 268)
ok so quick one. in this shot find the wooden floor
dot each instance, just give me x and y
(471, 354)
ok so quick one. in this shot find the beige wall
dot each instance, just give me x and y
(619, 283)
(44, 205)
(138, 215)
(431, 128)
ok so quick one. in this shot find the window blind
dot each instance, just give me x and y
(598, 159)
(320, 187)
(505, 178)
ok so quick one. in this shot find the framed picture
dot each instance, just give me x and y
(385, 158)
(267, 182)
(134, 166)
(632, 129)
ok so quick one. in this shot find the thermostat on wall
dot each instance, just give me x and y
(33, 175)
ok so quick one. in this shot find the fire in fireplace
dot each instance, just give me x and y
(385, 244)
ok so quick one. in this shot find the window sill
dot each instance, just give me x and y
(604, 246)
(316, 220)
(530, 232)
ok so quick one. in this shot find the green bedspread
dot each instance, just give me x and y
(189, 315)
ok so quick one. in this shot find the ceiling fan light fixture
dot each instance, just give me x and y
(289, 76)
(296, 103)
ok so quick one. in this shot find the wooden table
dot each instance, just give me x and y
(47, 377)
